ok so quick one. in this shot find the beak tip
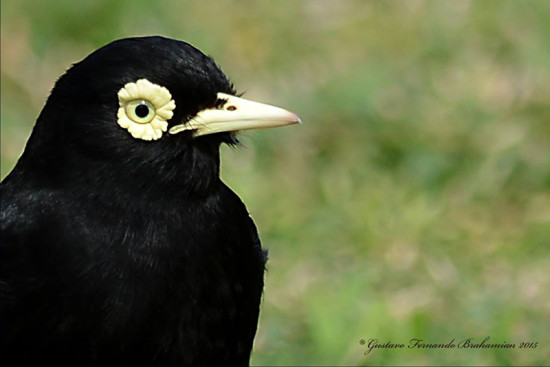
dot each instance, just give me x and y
(295, 119)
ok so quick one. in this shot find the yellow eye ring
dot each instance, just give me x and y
(144, 109)
(140, 111)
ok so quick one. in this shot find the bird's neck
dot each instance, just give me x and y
(193, 173)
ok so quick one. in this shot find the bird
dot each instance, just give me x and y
(120, 244)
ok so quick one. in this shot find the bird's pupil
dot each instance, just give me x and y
(142, 110)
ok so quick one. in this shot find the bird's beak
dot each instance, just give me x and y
(237, 114)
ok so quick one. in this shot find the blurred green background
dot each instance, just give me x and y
(414, 201)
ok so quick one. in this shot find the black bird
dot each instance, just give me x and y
(120, 245)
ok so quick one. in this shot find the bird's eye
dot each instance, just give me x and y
(140, 111)
(144, 109)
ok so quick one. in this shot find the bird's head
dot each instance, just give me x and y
(144, 110)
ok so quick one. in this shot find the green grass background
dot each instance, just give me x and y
(414, 201)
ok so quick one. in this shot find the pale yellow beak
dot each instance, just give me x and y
(237, 114)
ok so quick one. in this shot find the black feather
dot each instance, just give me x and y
(121, 252)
